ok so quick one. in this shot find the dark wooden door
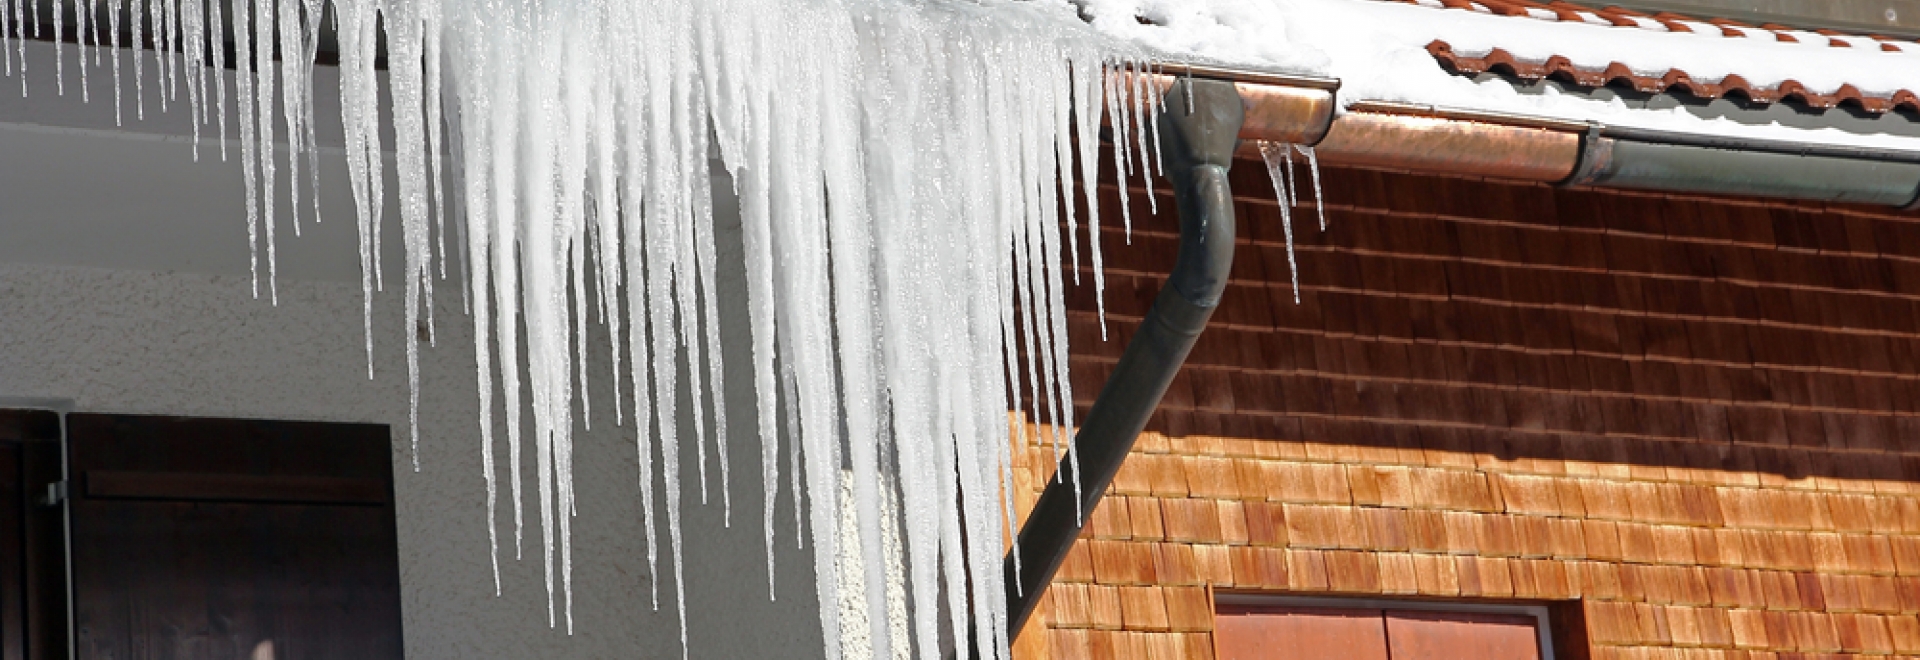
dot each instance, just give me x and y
(201, 538)
(33, 593)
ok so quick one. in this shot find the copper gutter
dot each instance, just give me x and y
(1285, 114)
(1279, 108)
(1518, 147)
(1299, 110)
(1454, 146)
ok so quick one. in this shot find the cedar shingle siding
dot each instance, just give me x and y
(1690, 420)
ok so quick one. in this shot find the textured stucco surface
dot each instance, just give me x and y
(192, 344)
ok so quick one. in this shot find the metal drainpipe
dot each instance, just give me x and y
(1197, 148)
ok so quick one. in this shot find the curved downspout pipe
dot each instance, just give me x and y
(1197, 148)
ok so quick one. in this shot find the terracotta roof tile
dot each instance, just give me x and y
(1673, 80)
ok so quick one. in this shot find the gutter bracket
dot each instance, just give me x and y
(1197, 143)
(1596, 155)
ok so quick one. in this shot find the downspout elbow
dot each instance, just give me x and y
(1199, 130)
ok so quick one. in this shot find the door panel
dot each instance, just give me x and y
(1281, 633)
(196, 538)
(1428, 635)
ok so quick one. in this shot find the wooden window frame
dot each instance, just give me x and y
(1541, 612)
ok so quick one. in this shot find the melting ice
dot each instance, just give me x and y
(901, 168)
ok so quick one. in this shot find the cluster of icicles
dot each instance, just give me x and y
(1278, 157)
(901, 169)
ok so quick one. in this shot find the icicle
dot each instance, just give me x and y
(1292, 198)
(796, 478)
(432, 55)
(194, 47)
(217, 48)
(8, 23)
(113, 31)
(243, 49)
(287, 25)
(478, 158)
(1277, 155)
(1313, 166)
(1055, 299)
(312, 12)
(265, 90)
(59, 45)
(1143, 106)
(137, 13)
(164, 26)
(83, 26)
(1119, 114)
(1086, 121)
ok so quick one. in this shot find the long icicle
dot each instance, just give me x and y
(1277, 157)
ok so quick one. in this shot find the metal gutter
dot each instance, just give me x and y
(1758, 145)
(1435, 144)
(1197, 142)
(1285, 114)
(1278, 107)
(1647, 165)
(1458, 114)
(1569, 153)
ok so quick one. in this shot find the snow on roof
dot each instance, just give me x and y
(1379, 49)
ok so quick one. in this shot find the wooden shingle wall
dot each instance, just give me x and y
(1694, 422)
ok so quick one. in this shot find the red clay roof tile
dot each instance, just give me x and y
(1674, 80)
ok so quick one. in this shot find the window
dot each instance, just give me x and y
(1250, 627)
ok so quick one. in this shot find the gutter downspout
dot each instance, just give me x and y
(1198, 132)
